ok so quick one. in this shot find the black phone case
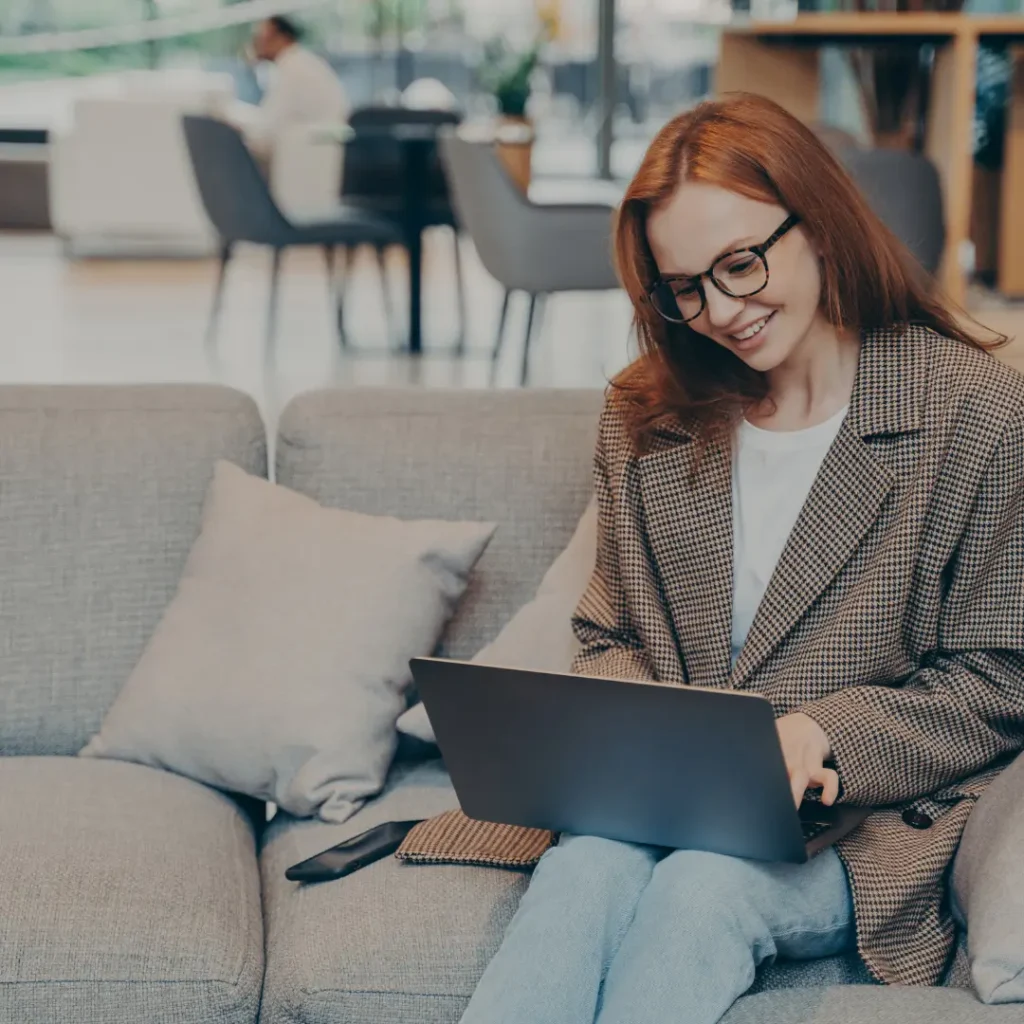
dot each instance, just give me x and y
(353, 854)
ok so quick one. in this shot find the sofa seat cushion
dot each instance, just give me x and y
(400, 943)
(126, 894)
(869, 1004)
(390, 943)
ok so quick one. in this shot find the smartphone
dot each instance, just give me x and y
(352, 854)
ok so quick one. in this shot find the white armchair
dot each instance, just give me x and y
(121, 182)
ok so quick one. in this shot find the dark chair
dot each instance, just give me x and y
(904, 190)
(373, 178)
(239, 204)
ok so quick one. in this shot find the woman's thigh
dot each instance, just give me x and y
(806, 909)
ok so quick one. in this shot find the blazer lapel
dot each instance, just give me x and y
(848, 492)
(688, 511)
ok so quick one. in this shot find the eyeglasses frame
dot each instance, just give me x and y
(759, 251)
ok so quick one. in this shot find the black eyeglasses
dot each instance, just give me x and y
(738, 274)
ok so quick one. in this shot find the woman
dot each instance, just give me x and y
(811, 486)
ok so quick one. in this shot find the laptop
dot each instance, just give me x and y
(660, 765)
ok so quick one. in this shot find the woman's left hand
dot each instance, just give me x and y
(806, 748)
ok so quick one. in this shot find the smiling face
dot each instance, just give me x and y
(700, 223)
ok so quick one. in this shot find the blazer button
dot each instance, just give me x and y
(916, 819)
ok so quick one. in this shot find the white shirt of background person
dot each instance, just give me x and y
(303, 88)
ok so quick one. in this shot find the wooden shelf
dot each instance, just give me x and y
(816, 29)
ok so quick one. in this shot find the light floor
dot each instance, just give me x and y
(96, 320)
(64, 321)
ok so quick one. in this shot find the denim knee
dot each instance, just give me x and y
(709, 887)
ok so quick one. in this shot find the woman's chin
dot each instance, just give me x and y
(774, 349)
(764, 358)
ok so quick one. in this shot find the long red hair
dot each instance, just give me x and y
(751, 146)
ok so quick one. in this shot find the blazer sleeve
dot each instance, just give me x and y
(964, 707)
(603, 623)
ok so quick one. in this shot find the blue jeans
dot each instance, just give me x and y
(614, 933)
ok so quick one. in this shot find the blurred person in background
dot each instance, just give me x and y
(303, 88)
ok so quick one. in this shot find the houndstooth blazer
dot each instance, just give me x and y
(895, 616)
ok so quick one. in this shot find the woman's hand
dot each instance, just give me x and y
(806, 748)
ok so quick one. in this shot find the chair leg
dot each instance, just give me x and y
(534, 319)
(502, 318)
(460, 285)
(218, 294)
(339, 297)
(389, 308)
(275, 273)
(334, 291)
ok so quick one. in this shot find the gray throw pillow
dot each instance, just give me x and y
(988, 888)
(539, 636)
(281, 665)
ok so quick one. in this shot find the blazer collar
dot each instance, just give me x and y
(889, 389)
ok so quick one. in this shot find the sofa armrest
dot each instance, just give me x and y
(988, 888)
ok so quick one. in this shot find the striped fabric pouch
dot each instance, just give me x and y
(453, 838)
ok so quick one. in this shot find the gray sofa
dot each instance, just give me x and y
(131, 895)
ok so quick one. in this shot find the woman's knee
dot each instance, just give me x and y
(705, 882)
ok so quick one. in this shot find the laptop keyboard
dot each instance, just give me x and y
(813, 829)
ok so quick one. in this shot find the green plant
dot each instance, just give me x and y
(506, 75)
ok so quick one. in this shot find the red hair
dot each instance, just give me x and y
(753, 147)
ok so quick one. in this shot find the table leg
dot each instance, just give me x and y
(416, 161)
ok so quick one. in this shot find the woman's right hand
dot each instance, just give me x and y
(806, 748)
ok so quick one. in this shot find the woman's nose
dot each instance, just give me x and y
(722, 309)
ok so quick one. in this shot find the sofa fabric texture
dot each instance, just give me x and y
(519, 459)
(101, 492)
(988, 889)
(126, 895)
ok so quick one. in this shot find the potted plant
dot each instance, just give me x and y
(507, 75)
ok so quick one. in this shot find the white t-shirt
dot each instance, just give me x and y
(772, 474)
(303, 89)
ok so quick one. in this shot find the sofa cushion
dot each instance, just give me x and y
(988, 889)
(519, 459)
(398, 943)
(389, 944)
(847, 969)
(282, 664)
(126, 895)
(101, 490)
(869, 1004)
(539, 636)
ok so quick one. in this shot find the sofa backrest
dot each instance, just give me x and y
(101, 492)
(522, 459)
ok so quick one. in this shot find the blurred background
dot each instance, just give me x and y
(665, 52)
(131, 249)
